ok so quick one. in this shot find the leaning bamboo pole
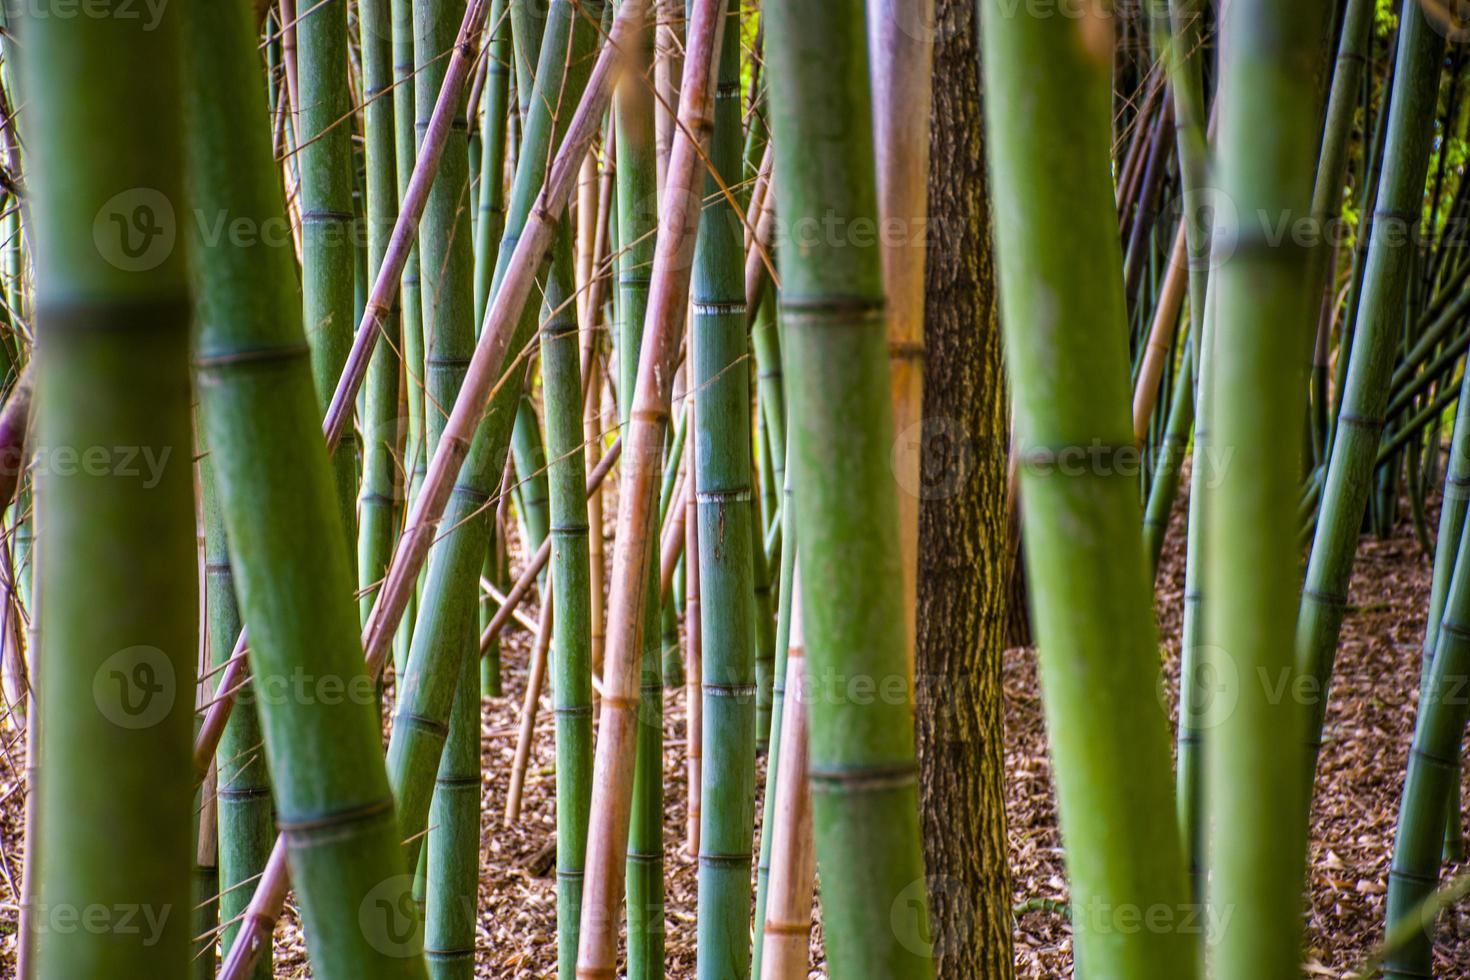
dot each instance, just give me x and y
(863, 772)
(607, 843)
(1255, 804)
(331, 794)
(530, 707)
(1090, 595)
(456, 441)
(116, 652)
(1359, 421)
(693, 668)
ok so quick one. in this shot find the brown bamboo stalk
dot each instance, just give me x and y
(607, 843)
(535, 681)
(483, 374)
(694, 665)
(788, 927)
(523, 585)
(1161, 334)
(380, 299)
(902, 61)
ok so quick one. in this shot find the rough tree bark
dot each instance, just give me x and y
(966, 558)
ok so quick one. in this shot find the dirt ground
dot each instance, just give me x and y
(1369, 723)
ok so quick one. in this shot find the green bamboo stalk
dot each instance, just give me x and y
(117, 634)
(446, 270)
(1186, 87)
(328, 255)
(281, 512)
(1059, 272)
(1433, 763)
(491, 205)
(405, 143)
(723, 490)
(561, 376)
(246, 827)
(380, 426)
(863, 772)
(533, 503)
(1360, 419)
(1255, 800)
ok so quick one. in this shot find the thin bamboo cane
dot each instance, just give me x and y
(530, 705)
(693, 669)
(117, 632)
(510, 602)
(1255, 800)
(326, 764)
(1360, 420)
(788, 919)
(456, 441)
(787, 580)
(324, 159)
(1090, 598)
(379, 501)
(613, 772)
(1161, 334)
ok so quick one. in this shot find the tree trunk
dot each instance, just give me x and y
(966, 559)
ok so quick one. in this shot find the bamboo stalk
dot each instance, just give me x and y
(1069, 376)
(116, 648)
(788, 918)
(902, 82)
(330, 790)
(1359, 421)
(1161, 334)
(633, 557)
(1255, 804)
(722, 489)
(530, 705)
(324, 159)
(380, 485)
(693, 669)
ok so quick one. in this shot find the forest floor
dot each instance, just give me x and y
(1370, 719)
